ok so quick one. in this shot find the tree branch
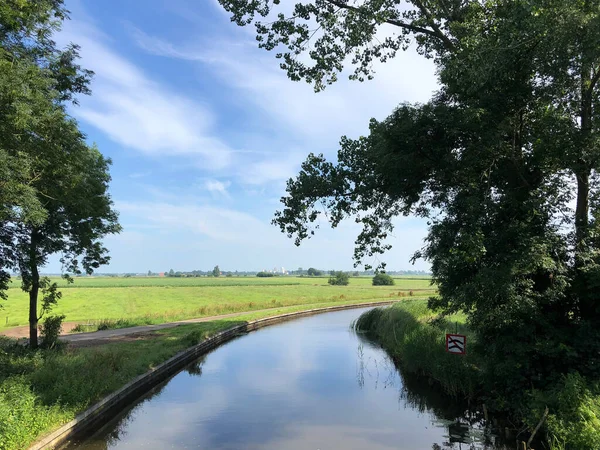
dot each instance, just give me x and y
(594, 80)
(436, 29)
(436, 32)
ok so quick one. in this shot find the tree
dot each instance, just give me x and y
(383, 279)
(510, 138)
(79, 213)
(312, 272)
(216, 272)
(53, 195)
(339, 279)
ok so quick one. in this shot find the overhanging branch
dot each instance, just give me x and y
(435, 32)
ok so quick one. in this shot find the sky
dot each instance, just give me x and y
(204, 130)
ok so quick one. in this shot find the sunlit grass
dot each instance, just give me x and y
(139, 304)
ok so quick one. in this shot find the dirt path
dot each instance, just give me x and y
(119, 334)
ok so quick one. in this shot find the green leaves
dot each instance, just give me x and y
(317, 38)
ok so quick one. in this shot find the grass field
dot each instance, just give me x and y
(148, 300)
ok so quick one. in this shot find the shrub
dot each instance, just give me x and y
(383, 279)
(265, 274)
(574, 419)
(51, 329)
(339, 279)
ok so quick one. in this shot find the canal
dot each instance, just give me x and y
(310, 383)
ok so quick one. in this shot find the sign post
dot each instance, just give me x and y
(456, 343)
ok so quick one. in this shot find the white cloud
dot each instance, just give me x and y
(217, 187)
(138, 112)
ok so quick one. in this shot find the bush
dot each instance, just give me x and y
(383, 279)
(265, 274)
(339, 279)
(574, 419)
(51, 329)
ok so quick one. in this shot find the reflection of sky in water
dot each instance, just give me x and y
(306, 384)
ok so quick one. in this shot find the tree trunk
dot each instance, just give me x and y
(33, 293)
(583, 170)
(582, 208)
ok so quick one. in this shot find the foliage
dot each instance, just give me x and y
(265, 274)
(51, 329)
(382, 279)
(575, 420)
(339, 279)
(312, 272)
(216, 272)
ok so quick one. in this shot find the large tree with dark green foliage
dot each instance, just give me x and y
(54, 186)
(312, 272)
(502, 162)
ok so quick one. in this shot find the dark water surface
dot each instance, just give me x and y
(311, 383)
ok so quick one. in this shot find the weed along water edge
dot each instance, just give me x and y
(308, 383)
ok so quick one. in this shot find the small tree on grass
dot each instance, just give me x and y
(216, 272)
(383, 279)
(339, 279)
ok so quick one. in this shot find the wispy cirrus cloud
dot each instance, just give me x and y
(137, 111)
(304, 121)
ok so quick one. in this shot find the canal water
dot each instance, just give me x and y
(311, 383)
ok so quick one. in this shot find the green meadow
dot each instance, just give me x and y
(151, 300)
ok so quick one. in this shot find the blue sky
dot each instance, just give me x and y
(204, 129)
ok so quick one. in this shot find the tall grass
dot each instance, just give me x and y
(415, 339)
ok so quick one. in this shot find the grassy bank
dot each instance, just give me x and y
(141, 301)
(415, 338)
(41, 390)
(409, 334)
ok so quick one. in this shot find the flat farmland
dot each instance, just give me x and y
(150, 300)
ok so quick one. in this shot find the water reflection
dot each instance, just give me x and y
(307, 384)
(466, 427)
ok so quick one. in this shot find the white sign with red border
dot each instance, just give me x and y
(456, 343)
